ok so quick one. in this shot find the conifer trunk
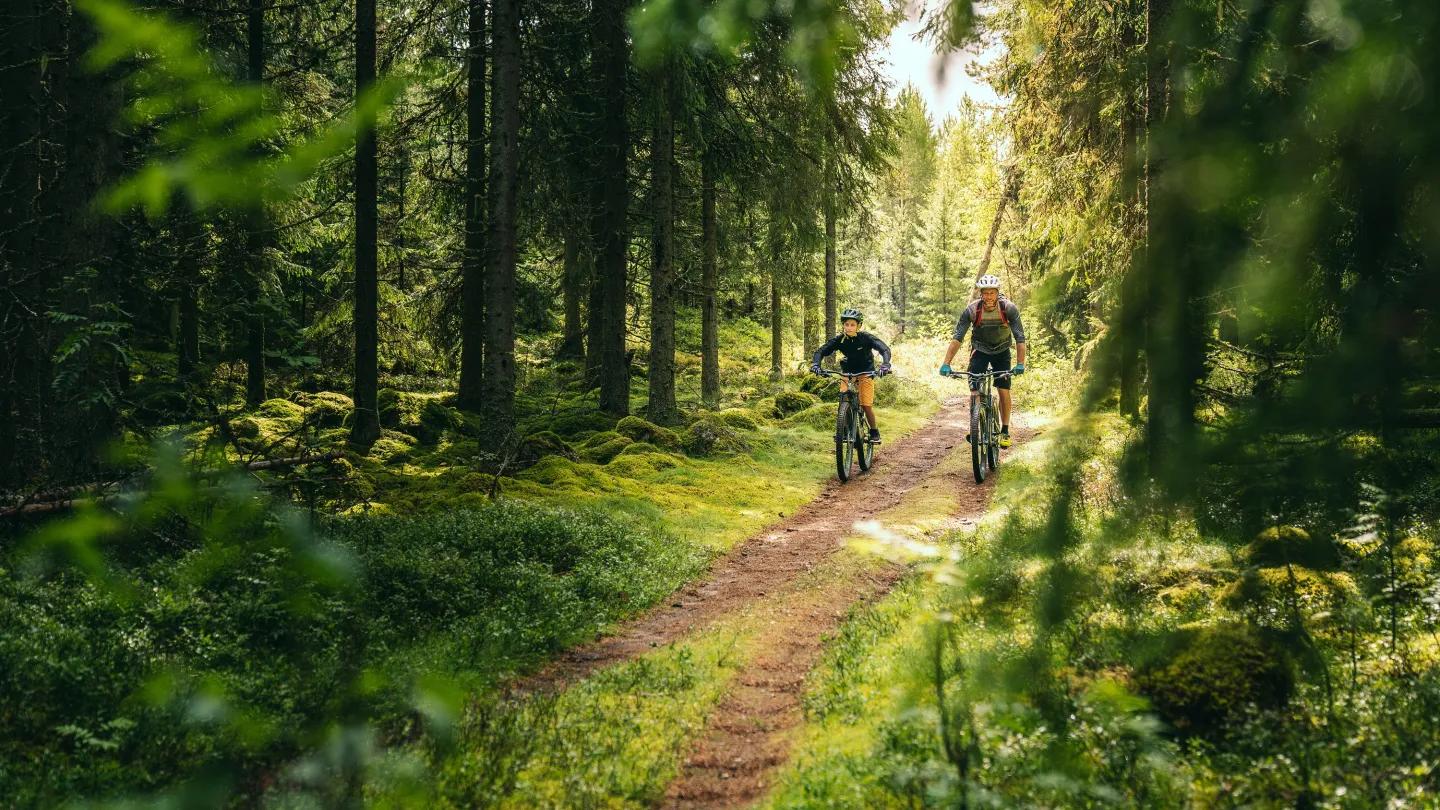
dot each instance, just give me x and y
(255, 236)
(471, 395)
(366, 427)
(709, 283)
(188, 350)
(776, 324)
(661, 409)
(504, 185)
(611, 64)
(572, 346)
(832, 268)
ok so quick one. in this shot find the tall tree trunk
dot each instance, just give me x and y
(1011, 189)
(832, 267)
(255, 239)
(471, 393)
(1129, 316)
(661, 409)
(776, 326)
(189, 232)
(504, 189)
(366, 427)
(709, 278)
(572, 346)
(1157, 63)
(611, 63)
(812, 314)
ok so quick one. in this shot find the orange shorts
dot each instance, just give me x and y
(866, 390)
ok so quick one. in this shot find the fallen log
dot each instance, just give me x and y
(36, 506)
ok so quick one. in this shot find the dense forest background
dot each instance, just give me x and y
(359, 356)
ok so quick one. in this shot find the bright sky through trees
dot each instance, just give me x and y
(911, 59)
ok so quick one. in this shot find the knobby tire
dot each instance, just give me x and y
(977, 452)
(844, 429)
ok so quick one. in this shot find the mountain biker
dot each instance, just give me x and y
(992, 321)
(857, 349)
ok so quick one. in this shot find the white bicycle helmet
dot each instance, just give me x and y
(989, 281)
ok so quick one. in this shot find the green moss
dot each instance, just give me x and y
(640, 464)
(279, 409)
(582, 421)
(389, 450)
(789, 402)
(1275, 590)
(1282, 545)
(601, 453)
(765, 409)
(820, 417)
(245, 428)
(709, 436)
(739, 419)
(603, 437)
(325, 409)
(1209, 675)
(545, 443)
(822, 387)
(1414, 564)
(639, 430)
(423, 416)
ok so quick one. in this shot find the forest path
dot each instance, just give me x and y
(781, 581)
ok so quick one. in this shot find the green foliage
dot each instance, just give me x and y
(1209, 676)
(792, 402)
(637, 429)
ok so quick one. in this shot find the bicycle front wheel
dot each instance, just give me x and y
(844, 429)
(993, 445)
(977, 440)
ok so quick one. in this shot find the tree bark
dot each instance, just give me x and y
(255, 238)
(1129, 323)
(812, 315)
(572, 346)
(471, 393)
(366, 426)
(776, 324)
(1156, 68)
(612, 189)
(188, 232)
(709, 281)
(832, 268)
(661, 409)
(504, 190)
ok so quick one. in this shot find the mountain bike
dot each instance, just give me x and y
(852, 428)
(984, 421)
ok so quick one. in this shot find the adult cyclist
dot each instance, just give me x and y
(992, 321)
(857, 350)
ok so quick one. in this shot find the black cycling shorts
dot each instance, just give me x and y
(981, 362)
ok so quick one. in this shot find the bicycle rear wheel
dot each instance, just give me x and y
(977, 440)
(844, 449)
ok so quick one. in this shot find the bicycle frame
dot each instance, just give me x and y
(984, 421)
(852, 427)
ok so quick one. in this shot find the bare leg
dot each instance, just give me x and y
(1005, 406)
(870, 414)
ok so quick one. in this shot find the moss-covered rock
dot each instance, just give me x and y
(545, 443)
(279, 409)
(325, 409)
(422, 416)
(1282, 545)
(1273, 591)
(821, 417)
(822, 387)
(638, 464)
(710, 436)
(739, 419)
(597, 439)
(390, 449)
(639, 430)
(582, 421)
(766, 409)
(1209, 675)
(245, 428)
(790, 402)
(554, 471)
(601, 452)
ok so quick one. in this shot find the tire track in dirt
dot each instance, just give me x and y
(749, 735)
(766, 562)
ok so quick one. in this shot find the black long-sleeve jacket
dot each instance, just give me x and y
(856, 353)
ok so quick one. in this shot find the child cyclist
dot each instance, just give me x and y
(857, 349)
(992, 320)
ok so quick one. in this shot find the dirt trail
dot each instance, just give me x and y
(746, 737)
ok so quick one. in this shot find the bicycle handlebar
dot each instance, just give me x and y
(965, 375)
(827, 373)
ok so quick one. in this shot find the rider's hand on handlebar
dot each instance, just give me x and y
(944, 371)
(884, 369)
(1019, 369)
(815, 369)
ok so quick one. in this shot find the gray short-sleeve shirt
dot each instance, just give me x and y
(991, 335)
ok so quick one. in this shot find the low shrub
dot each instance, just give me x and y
(1291, 545)
(1208, 676)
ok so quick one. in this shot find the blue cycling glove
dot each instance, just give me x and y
(1019, 369)
(944, 371)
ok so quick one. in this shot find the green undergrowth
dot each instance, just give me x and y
(614, 740)
(199, 634)
(1180, 669)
